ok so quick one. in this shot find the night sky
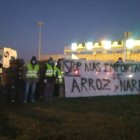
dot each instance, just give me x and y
(65, 22)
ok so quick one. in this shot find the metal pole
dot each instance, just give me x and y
(125, 50)
(40, 24)
(39, 41)
(126, 36)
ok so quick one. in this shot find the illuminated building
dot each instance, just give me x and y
(106, 50)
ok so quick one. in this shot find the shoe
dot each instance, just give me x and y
(12, 100)
(25, 101)
(32, 101)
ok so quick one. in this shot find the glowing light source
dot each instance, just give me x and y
(106, 44)
(89, 45)
(76, 71)
(130, 43)
(130, 75)
(97, 72)
(74, 46)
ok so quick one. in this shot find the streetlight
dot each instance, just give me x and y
(130, 43)
(39, 24)
(106, 44)
(74, 46)
(89, 46)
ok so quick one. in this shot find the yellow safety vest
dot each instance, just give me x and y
(32, 72)
(60, 74)
(49, 71)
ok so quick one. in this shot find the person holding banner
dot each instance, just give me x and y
(118, 63)
(120, 60)
(59, 74)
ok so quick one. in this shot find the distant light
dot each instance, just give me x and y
(74, 46)
(106, 44)
(40, 23)
(130, 75)
(76, 71)
(130, 43)
(89, 45)
(97, 72)
(108, 73)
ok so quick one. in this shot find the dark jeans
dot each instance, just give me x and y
(49, 90)
(33, 88)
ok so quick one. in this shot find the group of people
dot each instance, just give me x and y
(52, 73)
(52, 76)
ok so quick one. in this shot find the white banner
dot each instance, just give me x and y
(94, 78)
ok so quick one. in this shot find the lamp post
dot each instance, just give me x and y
(39, 24)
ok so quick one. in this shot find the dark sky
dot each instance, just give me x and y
(65, 21)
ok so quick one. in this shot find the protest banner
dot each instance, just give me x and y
(94, 78)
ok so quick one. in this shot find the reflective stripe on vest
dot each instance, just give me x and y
(32, 72)
(49, 71)
(60, 74)
(60, 79)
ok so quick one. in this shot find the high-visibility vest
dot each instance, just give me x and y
(60, 74)
(49, 70)
(32, 72)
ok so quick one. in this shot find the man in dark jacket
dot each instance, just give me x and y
(49, 79)
(59, 78)
(31, 78)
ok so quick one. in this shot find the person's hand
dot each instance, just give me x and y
(45, 80)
